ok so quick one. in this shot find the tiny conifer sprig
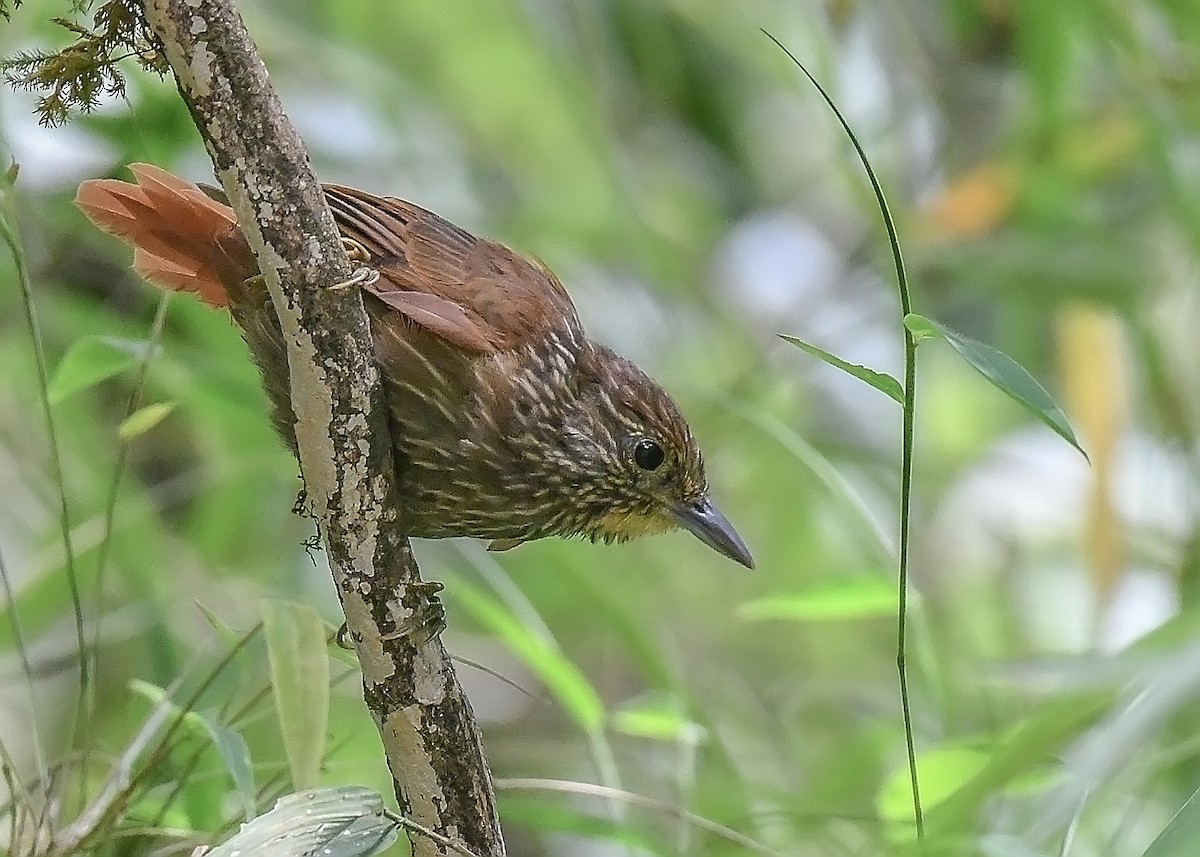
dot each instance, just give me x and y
(77, 76)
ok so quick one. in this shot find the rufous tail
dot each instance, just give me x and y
(183, 241)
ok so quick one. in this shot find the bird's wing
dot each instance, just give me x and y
(474, 293)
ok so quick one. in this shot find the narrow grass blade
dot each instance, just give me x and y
(564, 680)
(659, 716)
(224, 632)
(881, 381)
(862, 598)
(1179, 837)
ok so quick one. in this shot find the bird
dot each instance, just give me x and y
(509, 424)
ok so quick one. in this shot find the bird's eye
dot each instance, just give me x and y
(648, 455)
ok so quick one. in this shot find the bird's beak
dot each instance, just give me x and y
(704, 521)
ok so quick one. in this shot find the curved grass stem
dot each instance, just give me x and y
(92, 653)
(10, 236)
(906, 458)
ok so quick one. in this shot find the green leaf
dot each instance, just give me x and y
(1179, 837)
(881, 381)
(1006, 374)
(94, 359)
(144, 419)
(564, 680)
(344, 821)
(295, 638)
(1045, 734)
(660, 717)
(941, 772)
(235, 753)
(861, 598)
(227, 635)
(230, 745)
(921, 327)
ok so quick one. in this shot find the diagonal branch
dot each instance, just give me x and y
(426, 723)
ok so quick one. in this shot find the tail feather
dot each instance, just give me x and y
(182, 238)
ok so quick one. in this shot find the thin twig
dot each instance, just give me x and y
(611, 794)
(445, 841)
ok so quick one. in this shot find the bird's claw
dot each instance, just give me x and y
(428, 618)
(363, 275)
(355, 251)
(361, 278)
(427, 621)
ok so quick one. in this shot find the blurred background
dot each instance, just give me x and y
(697, 198)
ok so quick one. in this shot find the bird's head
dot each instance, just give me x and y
(635, 466)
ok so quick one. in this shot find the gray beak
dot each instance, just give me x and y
(704, 521)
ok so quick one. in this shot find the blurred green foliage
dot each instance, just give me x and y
(696, 197)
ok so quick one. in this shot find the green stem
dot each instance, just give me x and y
(8, 231)
(110, 512)
(906, 458)
(14, 619)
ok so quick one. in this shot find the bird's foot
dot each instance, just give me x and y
(355, 251)
(361, 278)
(363, 275)
(428, 619)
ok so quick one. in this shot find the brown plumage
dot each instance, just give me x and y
(509, 423)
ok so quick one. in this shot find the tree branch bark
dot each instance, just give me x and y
(427, 726)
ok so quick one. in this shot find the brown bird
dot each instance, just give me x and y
(509, 423)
